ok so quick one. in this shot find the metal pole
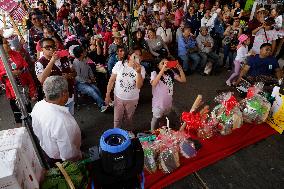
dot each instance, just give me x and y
(21, 103)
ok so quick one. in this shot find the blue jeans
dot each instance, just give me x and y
(185, 61)
(228, 53)
(92, 91)
(70, 106)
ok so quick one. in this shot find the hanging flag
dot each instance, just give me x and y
(7, 5)
(18, 13)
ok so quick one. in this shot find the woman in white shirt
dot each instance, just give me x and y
(165, 33)
(127, 78)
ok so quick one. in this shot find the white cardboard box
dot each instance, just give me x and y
(15, 171)
(18, 138)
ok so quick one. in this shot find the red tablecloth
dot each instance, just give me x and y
(212, 150)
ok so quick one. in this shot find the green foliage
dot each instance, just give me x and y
(54, 179)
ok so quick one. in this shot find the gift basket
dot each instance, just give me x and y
(66, 175)
(227, 113)
(255, 107)
(199, 123)
(162, 150)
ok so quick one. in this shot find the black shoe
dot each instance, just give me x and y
(203, 74)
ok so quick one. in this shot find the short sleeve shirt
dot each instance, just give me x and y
(162, 92)
(262, 66)
(125, 85)
(263, 37)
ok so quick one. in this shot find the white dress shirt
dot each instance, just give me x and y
(166, 34)
(57, 131)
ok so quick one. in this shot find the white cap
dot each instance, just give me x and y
(7, 33)
(71, 48)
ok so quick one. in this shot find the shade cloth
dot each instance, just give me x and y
(212, 150)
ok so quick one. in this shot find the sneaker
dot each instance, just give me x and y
(103, 109)
(228, 83)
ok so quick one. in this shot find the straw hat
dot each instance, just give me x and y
(116, 35)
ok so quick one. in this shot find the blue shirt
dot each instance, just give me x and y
(262, 66)
(185, 44)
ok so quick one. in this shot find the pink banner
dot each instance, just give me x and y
(7, 5)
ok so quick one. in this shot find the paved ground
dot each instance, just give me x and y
(260, 166)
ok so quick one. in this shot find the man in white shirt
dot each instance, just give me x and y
(205, 20)
(57, 130)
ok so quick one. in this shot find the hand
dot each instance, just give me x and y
(179, 67)
(93, 80)
(34, 99)
(89, 81)
(107, 100)
(16, 72)
(65, 75)
(137, 67)
(54, 57)
(164, 68)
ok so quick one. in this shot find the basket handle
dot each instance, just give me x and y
(66, 176)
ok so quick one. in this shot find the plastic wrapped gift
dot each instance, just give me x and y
(255, 109)
(227, 113)
(169, 159)
(149, 157)
(199, 123)
(187, 149)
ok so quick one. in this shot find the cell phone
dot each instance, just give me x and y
(62, 53)
(172, 64)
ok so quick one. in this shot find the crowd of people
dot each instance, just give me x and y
(106, 49)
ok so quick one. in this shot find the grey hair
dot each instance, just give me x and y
(54, 86)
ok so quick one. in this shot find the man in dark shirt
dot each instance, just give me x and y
(262, 64)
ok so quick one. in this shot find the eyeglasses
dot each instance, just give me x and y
(35, 18)
(49, 47)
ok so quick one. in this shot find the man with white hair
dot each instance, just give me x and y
(57, 130)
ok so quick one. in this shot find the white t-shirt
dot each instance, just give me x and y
(261, 38)
(166, 35)
(242, 53)
(125, 84)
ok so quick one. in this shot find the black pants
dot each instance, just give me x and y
(17, 112)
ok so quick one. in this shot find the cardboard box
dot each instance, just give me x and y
(18, 138)
(15, 171)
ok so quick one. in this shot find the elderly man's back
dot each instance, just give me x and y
(57, 131)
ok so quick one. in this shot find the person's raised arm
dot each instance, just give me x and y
(155, 81)
(181, 77)
(46, 72)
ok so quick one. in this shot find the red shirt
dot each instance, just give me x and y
(108, 38)
(25, 77)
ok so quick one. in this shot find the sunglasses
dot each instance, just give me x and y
(49, 47)
(35, 18)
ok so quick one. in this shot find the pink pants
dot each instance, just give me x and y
(124, 111)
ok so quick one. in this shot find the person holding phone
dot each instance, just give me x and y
(162, 81)
(51, 64)
(127, 79)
